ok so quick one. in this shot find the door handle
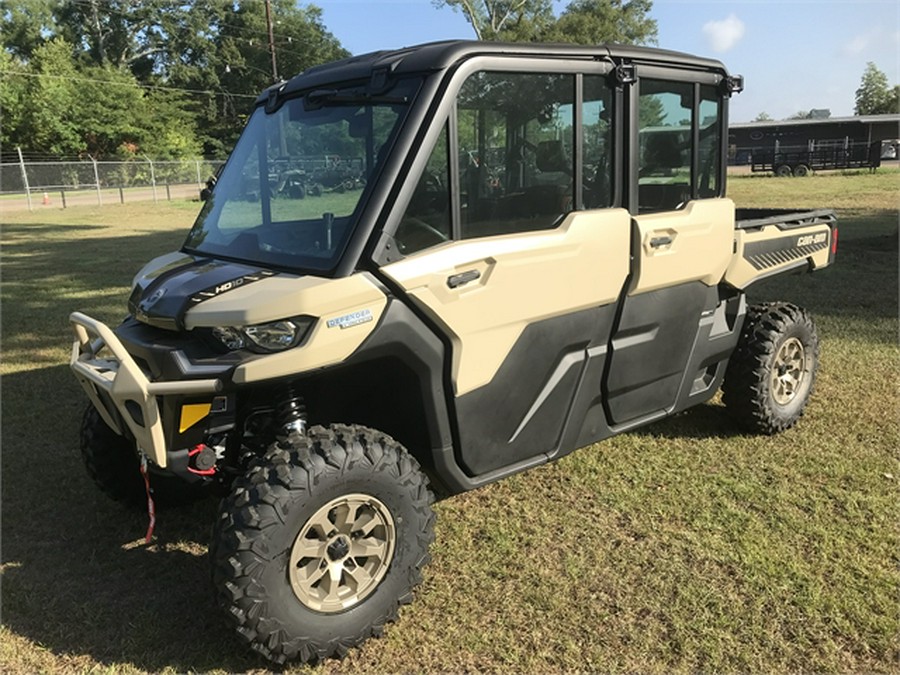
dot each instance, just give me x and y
(457, 280)
(656, 242)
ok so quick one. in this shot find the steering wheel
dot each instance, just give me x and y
(414, 234)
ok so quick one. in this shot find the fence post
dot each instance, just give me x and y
(97, 181)
(168, 193)
(121, 195)
(152, 177)
(24, 178)
(62, 194)
(199, 183)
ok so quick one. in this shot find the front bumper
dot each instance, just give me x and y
(120, 390)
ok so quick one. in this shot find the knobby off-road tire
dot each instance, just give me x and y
(771, 374)
(113, 463)
(321, 541)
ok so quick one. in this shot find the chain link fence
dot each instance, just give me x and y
(26, 184)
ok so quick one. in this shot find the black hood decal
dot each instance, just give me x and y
(164, 299)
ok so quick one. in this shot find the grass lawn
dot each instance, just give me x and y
(684, 546)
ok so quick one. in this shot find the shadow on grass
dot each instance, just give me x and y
(78, 579)
(51, 270)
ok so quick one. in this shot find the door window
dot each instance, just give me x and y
(597, 138)
(516, 160)
(426, 221)
(664, 140)
(710, 159)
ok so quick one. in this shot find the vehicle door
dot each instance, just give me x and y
(512, 250)
(683, 234)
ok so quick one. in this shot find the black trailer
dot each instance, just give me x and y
(800, 161)
(798, 147)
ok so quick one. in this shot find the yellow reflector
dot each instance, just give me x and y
(191, 414)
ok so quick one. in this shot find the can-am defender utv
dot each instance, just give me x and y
(422, 271)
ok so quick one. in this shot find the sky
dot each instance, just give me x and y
(795, 55)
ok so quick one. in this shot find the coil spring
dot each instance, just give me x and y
(290, 412)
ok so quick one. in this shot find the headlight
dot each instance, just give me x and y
(265, 337)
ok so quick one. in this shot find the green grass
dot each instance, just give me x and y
(684, 546)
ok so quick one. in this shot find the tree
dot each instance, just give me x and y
(582, 21)
(150, 53)
(513, 20)
(763, 117)
(874, 96)
(594, 21)
(51, 99)
(814, 114)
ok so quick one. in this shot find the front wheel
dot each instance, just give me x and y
(783, 171)
(113, 463)
(321, 542)
(771, 374)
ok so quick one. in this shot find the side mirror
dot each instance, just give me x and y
(206, 192)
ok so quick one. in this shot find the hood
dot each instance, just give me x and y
(169, 286)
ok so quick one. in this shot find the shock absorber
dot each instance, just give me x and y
(290, 412)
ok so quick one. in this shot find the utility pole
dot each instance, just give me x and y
(271, 40)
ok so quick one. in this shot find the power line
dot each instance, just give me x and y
(125, 84)
(259, 32)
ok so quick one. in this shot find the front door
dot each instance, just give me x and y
(525, 287)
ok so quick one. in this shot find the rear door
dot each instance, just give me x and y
(682, 242)
(510, 252)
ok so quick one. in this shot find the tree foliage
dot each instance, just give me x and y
(159, 77)
(581, 22)
(594, 21)
(875, 96)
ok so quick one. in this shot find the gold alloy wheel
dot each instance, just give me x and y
(342, 553)
(788, 371)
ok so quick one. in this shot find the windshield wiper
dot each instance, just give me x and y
(322, 97)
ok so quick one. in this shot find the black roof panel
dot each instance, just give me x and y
(435, 56)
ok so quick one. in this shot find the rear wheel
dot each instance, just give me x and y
(321, 542)
(801, 170)
(771, 374)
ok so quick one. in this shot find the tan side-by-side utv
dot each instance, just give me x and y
(424, 270)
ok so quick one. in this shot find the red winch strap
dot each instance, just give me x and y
(151, 507)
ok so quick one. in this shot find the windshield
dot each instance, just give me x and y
(291, 192)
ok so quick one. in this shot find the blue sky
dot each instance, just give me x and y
(794, 54)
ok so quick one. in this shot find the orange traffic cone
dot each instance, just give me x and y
(46, 201)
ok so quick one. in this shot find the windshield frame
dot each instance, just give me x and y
(255, 139)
